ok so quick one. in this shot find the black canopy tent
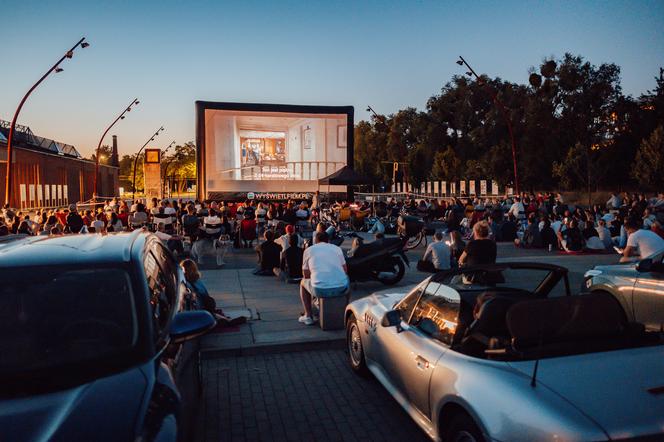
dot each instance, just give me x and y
(345, 176)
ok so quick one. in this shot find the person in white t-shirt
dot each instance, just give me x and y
(324, 274)
(641, 243)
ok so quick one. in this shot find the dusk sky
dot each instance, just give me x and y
(387, 54)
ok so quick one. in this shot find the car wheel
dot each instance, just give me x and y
(462, 428)
(395, 275)
(355, 348)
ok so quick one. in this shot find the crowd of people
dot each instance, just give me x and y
(280, 232)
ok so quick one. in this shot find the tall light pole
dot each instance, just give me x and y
(120, 117)
(133, 185)
(462, 62)
(168, 163)
(10, 139)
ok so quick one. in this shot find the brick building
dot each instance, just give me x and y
(47, 173)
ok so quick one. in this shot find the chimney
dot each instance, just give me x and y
(115, 161)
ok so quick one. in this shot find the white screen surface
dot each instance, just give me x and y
(271, 151)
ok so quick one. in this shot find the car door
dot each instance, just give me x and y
(648, 296)
(425, 336)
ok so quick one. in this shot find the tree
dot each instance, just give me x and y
(446, 165)
(648, 167)
(181, 164)
(105, 153)
(127, 172)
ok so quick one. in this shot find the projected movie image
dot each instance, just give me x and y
(245, 149)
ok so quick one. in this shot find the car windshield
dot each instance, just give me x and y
(60, 317)
(505, 279)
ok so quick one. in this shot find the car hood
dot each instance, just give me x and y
(617, 268)
(611, 388)
(104, 409)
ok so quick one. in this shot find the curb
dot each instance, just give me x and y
(326, 344)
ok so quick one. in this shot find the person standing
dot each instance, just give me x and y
(324, 273)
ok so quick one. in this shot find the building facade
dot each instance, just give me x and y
(48, 173)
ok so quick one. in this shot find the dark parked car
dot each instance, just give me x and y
(88, 329)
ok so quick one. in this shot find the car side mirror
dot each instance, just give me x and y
(392, 319)
(645, 265)
(191, 325)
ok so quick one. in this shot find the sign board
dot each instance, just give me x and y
(153, 156)
(471, 189)
(494, 187)
(436, 188)
(462, 187)
(152, 174)
(453, 188)
(482, 187)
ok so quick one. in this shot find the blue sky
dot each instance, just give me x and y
(384, 53)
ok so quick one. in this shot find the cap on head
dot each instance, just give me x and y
(290, 229)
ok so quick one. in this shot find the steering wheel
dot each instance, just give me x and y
(111, 330)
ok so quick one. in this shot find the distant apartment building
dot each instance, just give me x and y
(48, 173)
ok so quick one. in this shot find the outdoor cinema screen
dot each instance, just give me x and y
(270, 148)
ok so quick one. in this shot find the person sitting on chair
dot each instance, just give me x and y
(268, 255)
(324, 272)
(290, 267)
(173, 242)
(248, 230)
(191, 224)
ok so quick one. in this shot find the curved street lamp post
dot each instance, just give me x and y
(10, 139)
(120, 117)
(461, 62)
(133, 185)
(168, 163)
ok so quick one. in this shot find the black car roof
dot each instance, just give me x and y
(443, 275)
(28, 251)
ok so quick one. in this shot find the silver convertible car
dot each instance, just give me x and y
(639, 286)
(503, 353)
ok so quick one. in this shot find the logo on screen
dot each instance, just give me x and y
(251, 196)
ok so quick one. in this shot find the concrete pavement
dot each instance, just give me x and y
(274, 306)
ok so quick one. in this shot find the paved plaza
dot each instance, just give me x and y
(276, 379)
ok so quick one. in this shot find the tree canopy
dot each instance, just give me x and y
(573, 128)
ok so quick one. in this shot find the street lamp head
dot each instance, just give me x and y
(122, 117)
(69, 54)
(470, 74)
(368, 108)
(459, 62)
(85, 44)
(136, 102)
(58, 69)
